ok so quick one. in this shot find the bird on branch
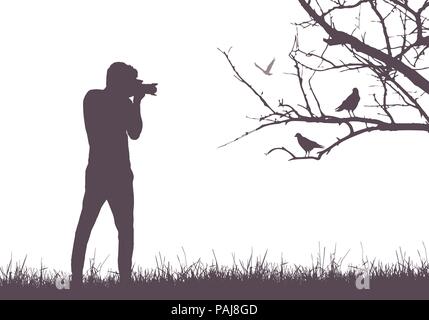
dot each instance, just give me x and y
(351, 103)
(267, 71)
(307, 144)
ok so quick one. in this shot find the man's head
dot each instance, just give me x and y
(122, 79)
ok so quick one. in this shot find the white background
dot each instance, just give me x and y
(372, 190)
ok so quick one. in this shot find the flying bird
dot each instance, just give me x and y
(351, 103)
(268, 70)
(307, 144)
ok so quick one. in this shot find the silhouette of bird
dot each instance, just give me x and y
(351, 103)
(307, 144)
(267, 71)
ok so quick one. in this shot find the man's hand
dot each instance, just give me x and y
(138, 98)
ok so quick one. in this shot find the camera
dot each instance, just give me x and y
(147, 88)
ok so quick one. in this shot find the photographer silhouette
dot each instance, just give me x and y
(110, 118)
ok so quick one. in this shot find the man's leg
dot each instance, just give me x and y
(92, 203)
(121, 201)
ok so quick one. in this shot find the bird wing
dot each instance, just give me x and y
(355, 101)
(312, 144)
(259, 68)
(346, 103)
(308, 144)
(270, 66)
(316, 145)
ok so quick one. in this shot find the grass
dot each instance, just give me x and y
(254, 278)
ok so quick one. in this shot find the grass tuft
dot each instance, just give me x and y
(254, 278)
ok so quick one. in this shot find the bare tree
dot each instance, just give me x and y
(396, 63)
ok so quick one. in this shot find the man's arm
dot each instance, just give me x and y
(135, 123)
(93, 122)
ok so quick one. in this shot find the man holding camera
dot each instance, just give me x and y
(110, 118)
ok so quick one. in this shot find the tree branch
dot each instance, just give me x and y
(386, 127)
(238, 76)
(386, 66)
(337, 37)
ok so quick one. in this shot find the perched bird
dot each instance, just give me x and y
(307, 144)
(268, 70)
(351, 103)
